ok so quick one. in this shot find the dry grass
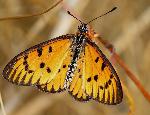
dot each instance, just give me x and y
(127, 28)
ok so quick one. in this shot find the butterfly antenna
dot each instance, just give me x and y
(74, 16)
(103, 15)
(31, 15)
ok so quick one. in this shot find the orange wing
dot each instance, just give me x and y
(95, 78)
(77, 86)
(44, 65)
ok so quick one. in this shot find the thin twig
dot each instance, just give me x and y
(30, 15)
(130, 99)
(132, 76)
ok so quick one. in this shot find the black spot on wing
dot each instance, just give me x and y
(89, 79)
(109, 81)
(103, 66)
(96, 78)
(30, 71)
(25, 62)
(106, 85)
(58, 70)
(79, 70)
(25, 57)
(96, 60)
(111, 76)
(26, 67)
(101, 87)
(80, 76)
(64, 66)
(50, 49)
(39, 51)
(48, 70)
(42, 65)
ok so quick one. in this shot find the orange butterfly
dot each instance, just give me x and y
(73, 62)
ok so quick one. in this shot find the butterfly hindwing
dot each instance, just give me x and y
(43, 65)
(101, 80)
(76, 88)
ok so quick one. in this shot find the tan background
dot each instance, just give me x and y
(128, 29)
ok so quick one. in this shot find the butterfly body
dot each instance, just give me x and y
(78, 44)
(73, 62)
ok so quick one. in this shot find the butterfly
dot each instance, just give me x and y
(71, 62)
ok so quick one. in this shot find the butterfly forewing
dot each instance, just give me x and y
(57, 83)
(43, 65)
(101, 80)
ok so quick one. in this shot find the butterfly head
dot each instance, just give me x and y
(83, 28)
(86, 30)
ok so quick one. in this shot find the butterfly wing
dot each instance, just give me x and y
(102, 82)
(96, 79)
(77, 85)
(43, 65)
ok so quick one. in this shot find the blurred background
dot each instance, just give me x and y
(127, 28)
